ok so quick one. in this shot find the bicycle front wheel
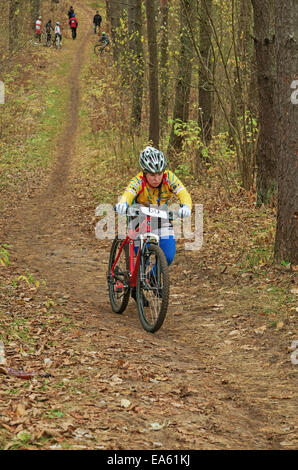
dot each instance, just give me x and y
(118, 281)
(153, 288)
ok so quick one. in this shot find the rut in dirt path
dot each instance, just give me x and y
(43, 235)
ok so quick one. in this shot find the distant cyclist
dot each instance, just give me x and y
(38, 28)
(73, 23)
(58, 32)
(49, 29)
(104, 40)
(97, 21)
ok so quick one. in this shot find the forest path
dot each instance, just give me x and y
(204, 381)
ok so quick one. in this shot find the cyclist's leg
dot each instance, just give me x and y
(133, 289)
(168, 246)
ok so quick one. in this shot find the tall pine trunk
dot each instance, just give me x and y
(13, 24)
(153, 72)
(266, 157)
(164, 64)
(205, 117)
(114, 12)
(137, 61)
(35, 11)
(286, 21)
(181, 105)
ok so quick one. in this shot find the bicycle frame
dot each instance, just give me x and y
(144, 232)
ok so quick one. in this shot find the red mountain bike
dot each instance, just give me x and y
(147, 271)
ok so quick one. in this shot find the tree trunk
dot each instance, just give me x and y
(205, 94)
(266, 148)
(181, 105)
(114, 12)
(13, 24)
(137, 61)
(35, 11)
(286, 20)
(164, 64)
(153, 72)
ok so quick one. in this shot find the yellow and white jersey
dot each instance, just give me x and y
(139, 190)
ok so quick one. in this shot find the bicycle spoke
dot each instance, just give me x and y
(153, 286)
(118, 277)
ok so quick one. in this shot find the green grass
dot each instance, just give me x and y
(98, 5)
(39, 115)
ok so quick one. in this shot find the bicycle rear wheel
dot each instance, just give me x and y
(118, 282)
(58, 42)
(153, 284)
(97, 50)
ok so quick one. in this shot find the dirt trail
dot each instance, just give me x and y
(192, 385)
(43, 233)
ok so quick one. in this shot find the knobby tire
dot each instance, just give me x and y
(152, 317)
(97, 50)
(119, 300)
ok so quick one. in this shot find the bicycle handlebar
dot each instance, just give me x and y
(135, 211)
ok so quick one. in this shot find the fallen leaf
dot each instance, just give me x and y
(20, 409)
(156, 426)
(125, 403)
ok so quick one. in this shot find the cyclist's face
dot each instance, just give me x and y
(154, 179)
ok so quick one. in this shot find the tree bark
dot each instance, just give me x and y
(135, 28)
(266, 149)
(164, 64)
(205, 117)
(286, 20)
(114, 13)
(153, 72)
(13, 24)
(35, 11)
(181, 105)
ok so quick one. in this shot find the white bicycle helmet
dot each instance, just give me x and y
(152, 160)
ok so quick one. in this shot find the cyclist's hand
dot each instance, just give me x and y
(184, 211)
(121, 207)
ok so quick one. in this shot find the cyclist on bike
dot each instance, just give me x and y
(49, 27)
(38, 28)
(156, 185)
(58, 32)
(73, 23)
(104, 40)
